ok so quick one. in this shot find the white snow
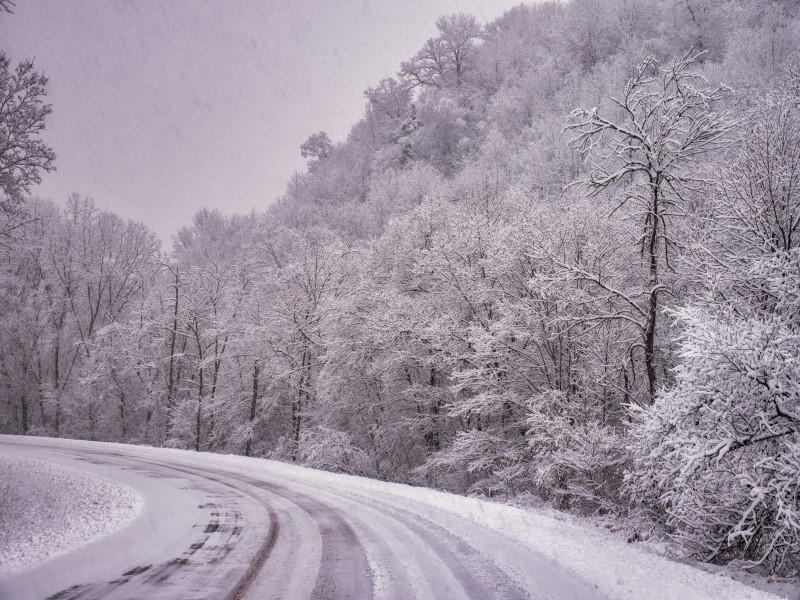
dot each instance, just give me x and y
(617, 570)
(557, 558)
(779, 586)
(48, 509)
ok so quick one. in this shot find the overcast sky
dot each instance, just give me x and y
(163, 107)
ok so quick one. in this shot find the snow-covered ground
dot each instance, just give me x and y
(378, 540)
(47, 509)
(566, 552)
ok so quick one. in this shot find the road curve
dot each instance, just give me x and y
(232, 528)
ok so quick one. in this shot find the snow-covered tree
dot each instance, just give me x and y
(23, 155)
(648, 157)
(719, 455)
(446, 60)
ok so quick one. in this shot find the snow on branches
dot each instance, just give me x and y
(648, 156)
(718, 456)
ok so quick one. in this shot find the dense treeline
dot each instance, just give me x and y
(559, 256)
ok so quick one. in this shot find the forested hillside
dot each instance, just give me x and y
(559, 256)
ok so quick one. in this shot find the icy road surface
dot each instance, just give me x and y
(224, 527)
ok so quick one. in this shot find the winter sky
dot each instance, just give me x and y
(163, 107)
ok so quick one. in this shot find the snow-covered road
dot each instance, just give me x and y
(230, 527)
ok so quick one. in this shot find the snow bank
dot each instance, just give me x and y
(47, 509)
(617, 570)
(548, 553)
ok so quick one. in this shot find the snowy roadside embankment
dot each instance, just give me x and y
(393, 525)
(617, 570)
(47, 509)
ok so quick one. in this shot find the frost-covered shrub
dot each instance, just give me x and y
(560, 452)
(480, 463)
(718, 456)
(576, 464)
(332, 450)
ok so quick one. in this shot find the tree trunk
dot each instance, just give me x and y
(24, 401)
(253, 400)
(652, 300)
(432, 434)
(56, 377)
(297, 405)
(24, 398)
(214, 379)
(171, 380)
(199, 410)
(122, 415)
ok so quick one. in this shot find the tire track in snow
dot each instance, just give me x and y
(320, 543)
(241, 588)
(344, 571)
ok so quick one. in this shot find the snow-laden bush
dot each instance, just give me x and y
(481, 463)
(560, 452)
(718, 456)
(332, 450)
(577, 464)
